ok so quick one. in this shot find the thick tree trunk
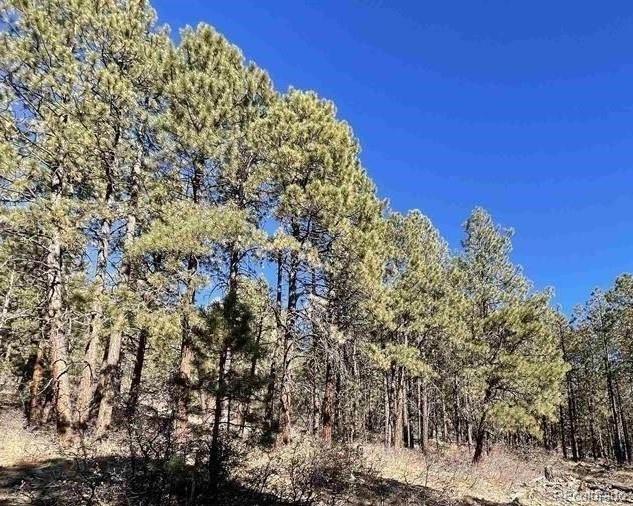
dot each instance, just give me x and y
(285, 417)
(469, 423)
(57, 339)
(89, 372)
(110, 379)
(592, 432)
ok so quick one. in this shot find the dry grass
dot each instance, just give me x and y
(499, 478)
(32, 464)
(20, 445)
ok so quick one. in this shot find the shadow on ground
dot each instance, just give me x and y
(114, 480)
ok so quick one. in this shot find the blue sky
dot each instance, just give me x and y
(524, 108)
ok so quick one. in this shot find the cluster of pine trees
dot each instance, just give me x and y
(176, 235)
(595, 419)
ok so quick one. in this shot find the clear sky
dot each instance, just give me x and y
(524, 108)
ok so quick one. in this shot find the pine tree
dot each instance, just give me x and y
(515, 357)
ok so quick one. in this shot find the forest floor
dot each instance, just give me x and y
(34, 470)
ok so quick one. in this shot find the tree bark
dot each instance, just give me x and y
(57, 338)
(89, 373)
(109, 384)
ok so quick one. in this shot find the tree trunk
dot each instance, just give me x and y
(456, 412)
(480, 439)
(445, 434)
(327, 409)
(135, 385)
(398, 436)
(214, 460)
(285, 416)
(408, 436)
(617, 433)
(109, 384)
(89, 373)
(36, 401)
(623, 423)
(251, 376)
(270, 422)
(110, 377)
(57, 339)
(386, 402)
(183, 381)
(185, 365)
(561, 419)
(423, 400)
